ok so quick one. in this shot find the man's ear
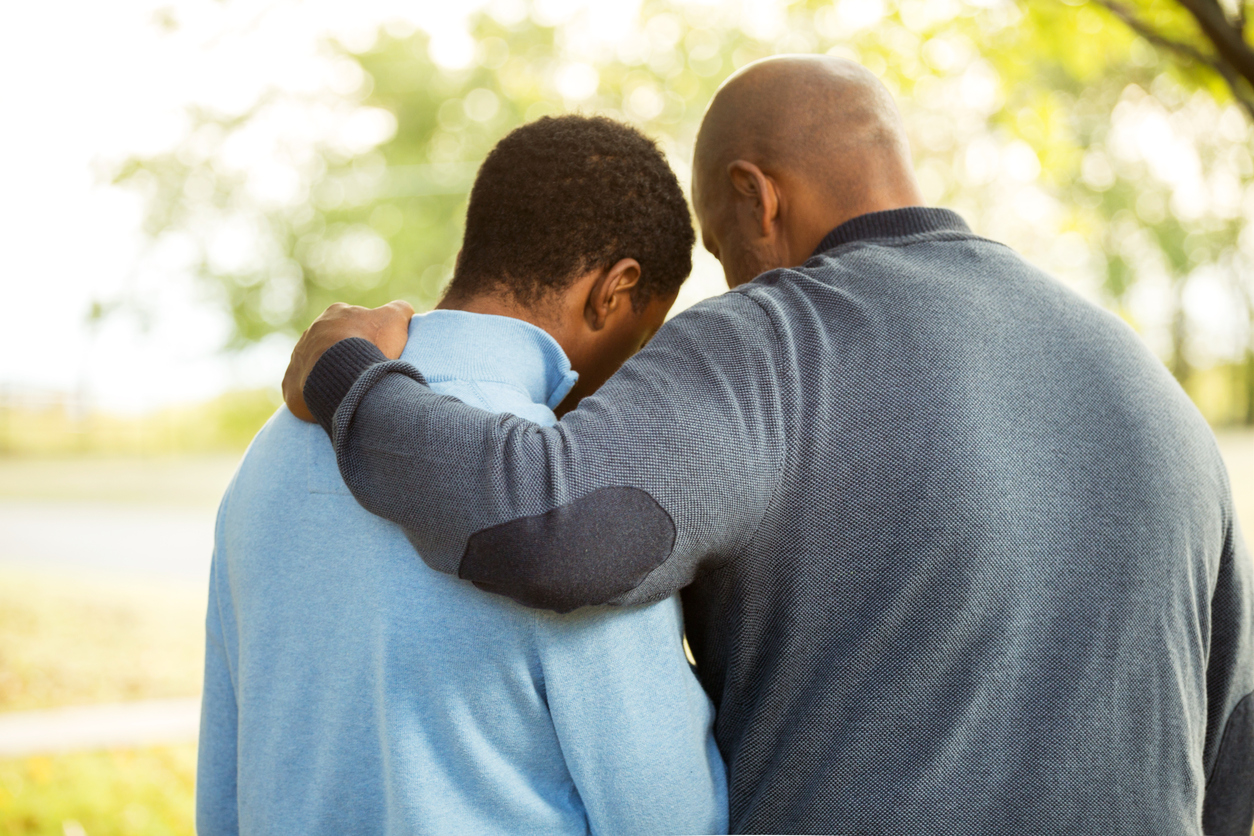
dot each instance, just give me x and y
(611, 293)
(752, 185)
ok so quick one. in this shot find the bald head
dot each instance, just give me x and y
(823, 132)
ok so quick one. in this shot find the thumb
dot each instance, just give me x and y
(401, 308)
(393, 327)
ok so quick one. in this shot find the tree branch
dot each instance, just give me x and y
(1234, 84)
(1226, 37)
(1152, 35)
(1186, 50)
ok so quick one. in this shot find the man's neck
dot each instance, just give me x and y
(815, 205)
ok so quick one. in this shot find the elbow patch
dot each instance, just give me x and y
(1229, 805)
(584, 552)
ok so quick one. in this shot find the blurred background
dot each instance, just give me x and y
(186, 184)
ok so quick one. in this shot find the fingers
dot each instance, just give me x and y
(298, 367)
(386, 326)
(402, 308)
(293, 392)
(393, 330)
(338, 312)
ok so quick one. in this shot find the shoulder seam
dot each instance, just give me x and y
(783, 430)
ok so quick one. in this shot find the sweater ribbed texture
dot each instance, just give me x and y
(334, 373)
(958, 556)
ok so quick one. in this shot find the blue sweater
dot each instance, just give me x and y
(351, 689)
(960, 555)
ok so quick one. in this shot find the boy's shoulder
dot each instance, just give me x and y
(496, 396)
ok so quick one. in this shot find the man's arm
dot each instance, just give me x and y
(634, 725)
(386, 327)
(668, 468)
(217, 803)
(1229, 757)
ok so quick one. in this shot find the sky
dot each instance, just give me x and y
(89, 84)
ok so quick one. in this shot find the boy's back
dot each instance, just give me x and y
(350, 688)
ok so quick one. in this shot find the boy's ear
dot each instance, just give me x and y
(611, 293)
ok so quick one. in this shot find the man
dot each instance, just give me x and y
(351, 689)
(962, 554)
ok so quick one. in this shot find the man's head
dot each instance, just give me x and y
(578, 225)
(790, 148)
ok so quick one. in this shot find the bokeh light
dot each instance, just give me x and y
(190, 182)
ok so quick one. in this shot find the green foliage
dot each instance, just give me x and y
(367, 227)
(224, 424)
(1035, 120)
(140, 792)
(72, 642)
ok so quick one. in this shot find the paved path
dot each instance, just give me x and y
(117, 539)
(174, 542)
(113, 725)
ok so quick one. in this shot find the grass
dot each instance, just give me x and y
(75, 641)
(58, 425)
(87, 640)
(186, 481)
(134, 792)
(79, 640)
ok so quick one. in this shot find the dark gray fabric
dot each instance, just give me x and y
(748, 447)
(340, 367)
(541, 561)
(1229, 809)
(959, 554)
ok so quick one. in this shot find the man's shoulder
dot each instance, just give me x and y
(281, 435)
(738, 313)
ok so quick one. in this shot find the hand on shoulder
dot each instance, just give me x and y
(386, 326)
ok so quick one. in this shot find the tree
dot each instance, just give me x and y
(1222, 30)
(1217, 42)
(1038, 142)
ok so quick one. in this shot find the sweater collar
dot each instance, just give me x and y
(894, 223)
(457, 345)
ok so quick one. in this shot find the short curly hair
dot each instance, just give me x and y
(564, 195)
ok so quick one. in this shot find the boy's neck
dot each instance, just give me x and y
(547, 319)
(495, 305)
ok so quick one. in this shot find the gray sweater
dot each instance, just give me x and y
(957, 554)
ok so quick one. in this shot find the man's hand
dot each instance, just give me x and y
(387, 327)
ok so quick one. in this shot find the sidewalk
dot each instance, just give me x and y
(107, 726)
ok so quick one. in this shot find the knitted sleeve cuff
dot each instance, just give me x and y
(335, 373)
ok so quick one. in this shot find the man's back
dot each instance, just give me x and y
(1001, 604)
(962, 555)
(349, 688)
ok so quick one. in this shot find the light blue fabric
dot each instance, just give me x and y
(351, 689)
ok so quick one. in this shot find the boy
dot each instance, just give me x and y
(350, 688)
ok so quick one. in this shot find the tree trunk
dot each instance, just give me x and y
(1179, 364)
(1247, 385)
